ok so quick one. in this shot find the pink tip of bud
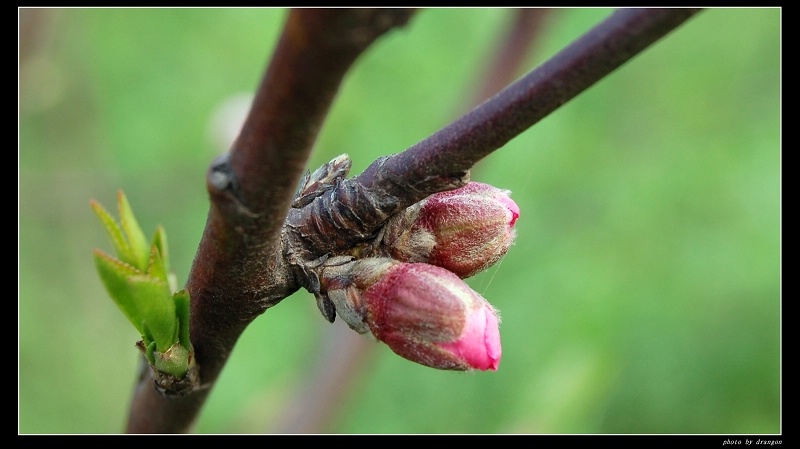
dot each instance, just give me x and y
(428, 315)
(512, 207)
(479, 344)
(500, 195)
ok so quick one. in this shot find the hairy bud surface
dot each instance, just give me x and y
(424, 313)
(465, 230)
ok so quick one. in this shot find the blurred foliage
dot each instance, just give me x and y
(643, 294)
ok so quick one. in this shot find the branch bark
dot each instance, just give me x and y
(359, 206)
(239, 270)
(249, 255)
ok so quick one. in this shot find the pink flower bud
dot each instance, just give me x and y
(428, 315)
(465, 230)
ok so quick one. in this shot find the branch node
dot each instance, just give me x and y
(222, 183)
(220, 174)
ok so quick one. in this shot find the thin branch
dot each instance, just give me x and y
(456, 148)
(336, 374)
(239, 270)
(515, 47)
(357, 208)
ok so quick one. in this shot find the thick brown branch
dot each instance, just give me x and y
(239, 270)
(314, 53)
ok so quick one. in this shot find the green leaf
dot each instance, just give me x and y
(156, 268)
(139, 248)
(160, 242)
(114, 231)
(114, 273)
(127, 237)
(150, 349)
(182, 308)
(140, 283)
(145, 300)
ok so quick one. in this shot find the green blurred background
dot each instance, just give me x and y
(643, 294)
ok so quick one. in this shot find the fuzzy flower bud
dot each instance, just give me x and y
(465, 230)
(424, 313)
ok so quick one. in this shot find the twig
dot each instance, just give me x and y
(359, 206)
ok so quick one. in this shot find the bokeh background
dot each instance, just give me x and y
(643, 294)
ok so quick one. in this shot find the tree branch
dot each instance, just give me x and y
(456, 148)
(239, 270)
(358, 207)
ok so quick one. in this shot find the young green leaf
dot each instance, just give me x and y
(156, 267)
(160, 242)
(139, 248)
(141, 284)
(145, 300)
(127, 238)
(118, 241)
(182, 308)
